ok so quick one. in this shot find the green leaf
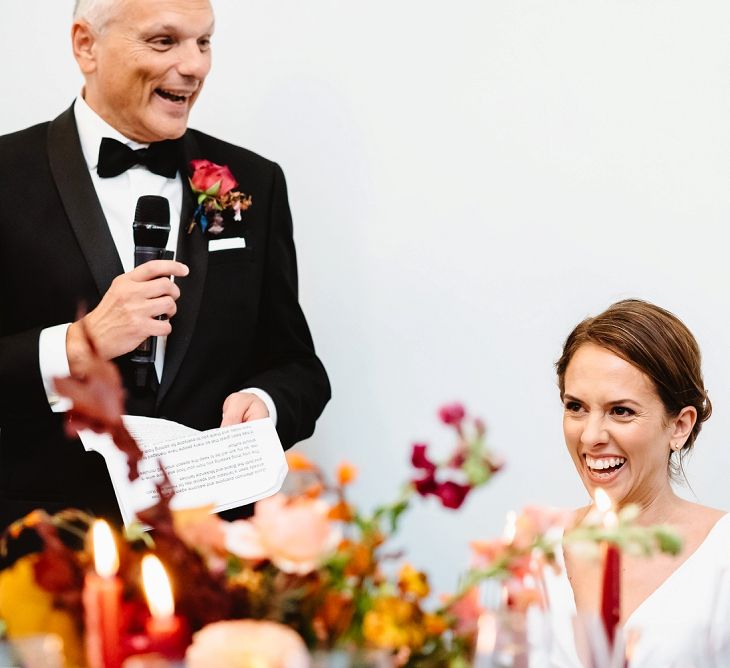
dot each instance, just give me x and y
(213, 190)
(135, 532)
(667, 540)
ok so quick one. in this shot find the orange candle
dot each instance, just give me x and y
(101, 599)
(167, 632)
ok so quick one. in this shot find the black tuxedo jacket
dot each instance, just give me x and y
(238, 322)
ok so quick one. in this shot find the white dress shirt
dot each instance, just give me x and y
(118, 197)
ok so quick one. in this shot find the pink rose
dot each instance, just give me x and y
(466, 609)
(206, 174)
(294, 534)
(247, 643)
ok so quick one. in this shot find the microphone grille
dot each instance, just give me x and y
(152, 209)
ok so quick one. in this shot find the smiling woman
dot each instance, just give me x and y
(634, 402)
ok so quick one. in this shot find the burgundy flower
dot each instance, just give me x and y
(419, 458)
(452, 494)
(426, 485)
(452, 414)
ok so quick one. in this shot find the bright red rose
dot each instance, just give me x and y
(206, 174)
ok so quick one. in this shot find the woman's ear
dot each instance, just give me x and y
(683, 424)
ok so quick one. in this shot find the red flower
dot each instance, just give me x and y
(452, 494)
(426, 485)
(419, 458)
(452, 414)
(206, 174)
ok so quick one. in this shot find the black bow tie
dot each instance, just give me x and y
(160, 157)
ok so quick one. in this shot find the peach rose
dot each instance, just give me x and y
(296, 534)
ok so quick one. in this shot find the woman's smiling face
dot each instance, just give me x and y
(616, 427)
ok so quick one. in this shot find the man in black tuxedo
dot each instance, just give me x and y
(236, 345)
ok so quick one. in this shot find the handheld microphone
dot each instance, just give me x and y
(151, 229)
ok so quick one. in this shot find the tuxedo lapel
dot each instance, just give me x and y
(192, 250)
(71, 174)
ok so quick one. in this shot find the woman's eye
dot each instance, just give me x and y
(204, 43)
(622, 411)
(572, 406)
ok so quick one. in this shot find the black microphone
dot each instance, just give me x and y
(151, 228)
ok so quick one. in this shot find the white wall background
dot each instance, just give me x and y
(468, 180)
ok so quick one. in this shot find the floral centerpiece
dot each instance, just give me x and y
(308, 562)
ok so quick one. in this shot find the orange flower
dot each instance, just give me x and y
(346, 473)
(334, 615)
(341, 512)
(361, 562)
(313, 491)
(435, 625)
(298, 462)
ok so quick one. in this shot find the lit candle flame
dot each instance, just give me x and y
(605, 507)
(510, 527)
(602, 501)
(157, 587)
(106, 559)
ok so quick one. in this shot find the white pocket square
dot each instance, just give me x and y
(225, 244)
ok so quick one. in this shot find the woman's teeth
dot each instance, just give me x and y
(604, 463)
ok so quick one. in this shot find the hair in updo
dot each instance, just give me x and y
(657, 343)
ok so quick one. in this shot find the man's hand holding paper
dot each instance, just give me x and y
(223, 468)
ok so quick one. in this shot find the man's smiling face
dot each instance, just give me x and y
(145, 68)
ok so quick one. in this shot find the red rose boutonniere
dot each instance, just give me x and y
(213, 186)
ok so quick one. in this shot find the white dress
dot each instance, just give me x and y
(673, 624)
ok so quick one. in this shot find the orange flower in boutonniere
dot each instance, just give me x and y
(213, 186)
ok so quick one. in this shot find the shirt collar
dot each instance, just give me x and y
(92, 129)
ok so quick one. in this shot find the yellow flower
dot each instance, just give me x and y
(27, 610)
(394, 623)
(411, 581)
